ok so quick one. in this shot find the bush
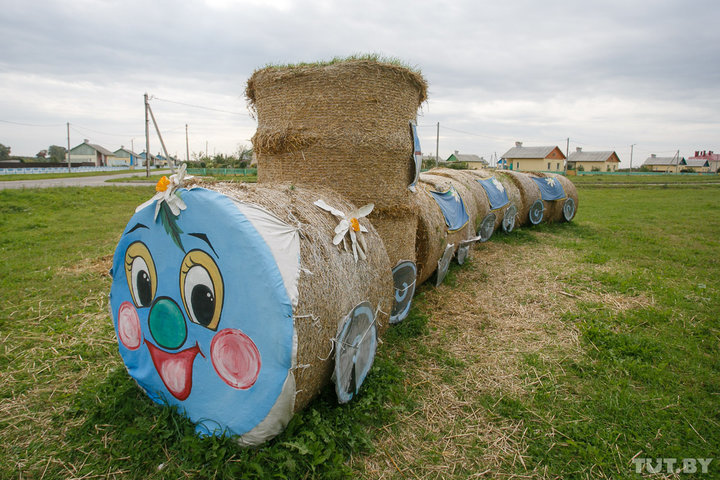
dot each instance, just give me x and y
(457, 165)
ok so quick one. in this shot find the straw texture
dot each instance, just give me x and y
(396, 227)
(344, 125)
(431, 235)
(529, 193)
(331, 284)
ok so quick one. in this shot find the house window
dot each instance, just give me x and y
(517, 165)
(557, 167)
(548, 165)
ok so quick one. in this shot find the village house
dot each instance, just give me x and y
(663, 164)
(534, 159)
(89, 152)
(713, 159)
(698, 165)
(593, 161)
(474, 162)
(124, 157)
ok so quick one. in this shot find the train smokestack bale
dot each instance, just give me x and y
(344, 124)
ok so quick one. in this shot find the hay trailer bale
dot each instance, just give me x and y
(239, 309)
(478, 199)
(342, 124)
(561, 210)
(433, 234)
(512, 192)
(531, 209)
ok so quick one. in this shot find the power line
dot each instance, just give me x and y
(32, 124)
(197, 106)
(73, 125)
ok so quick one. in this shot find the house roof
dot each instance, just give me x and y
(695, 162)
(529, 152)
(95, 147)
(126, 151)
(662, 161)
(592, 157)
(468, 157)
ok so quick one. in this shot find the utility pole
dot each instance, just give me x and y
(187, 145)
(206, 149)
(147, 138)
(437, 145)
(567, 155)
(68, 136)
(162, 142)
(631, 154)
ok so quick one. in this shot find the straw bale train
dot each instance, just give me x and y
(238, 303)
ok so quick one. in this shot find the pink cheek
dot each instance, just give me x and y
(236, 358)
(129, 326)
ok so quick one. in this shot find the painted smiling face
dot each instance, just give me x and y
(204, 320)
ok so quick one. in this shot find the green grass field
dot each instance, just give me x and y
(662, 179)
(41, 176)
(562, 351)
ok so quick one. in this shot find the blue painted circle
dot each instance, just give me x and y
(536, 212)
(255, 305)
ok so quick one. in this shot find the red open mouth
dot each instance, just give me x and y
(175, 369)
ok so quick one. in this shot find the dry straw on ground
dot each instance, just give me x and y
(507, 304)
(529, 194)
(344, 125)
(331, 283)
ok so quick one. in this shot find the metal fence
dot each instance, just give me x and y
(222, 171)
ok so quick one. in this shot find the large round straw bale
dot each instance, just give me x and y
(510, 189)
(396, 226)
(229, 309)
(554, 209)
(431, 236)
(441, 183)
(477, 196)
(529, 193)
(344, 125)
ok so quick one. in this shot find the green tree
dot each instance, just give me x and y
(4, 152)
(57, 153)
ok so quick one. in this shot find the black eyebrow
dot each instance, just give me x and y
(137, 225)
(205, 239)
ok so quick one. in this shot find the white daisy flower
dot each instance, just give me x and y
(349, 223)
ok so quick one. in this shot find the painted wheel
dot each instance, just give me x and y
(355, 351)
(487, 227)
(508, 223)
(536, 212)
(444, 264)
(404, 276)
(569, 209)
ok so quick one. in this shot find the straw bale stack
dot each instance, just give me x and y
(331, 283)
(529, 194)
(554, 209)
(476, 194)
(343, 125)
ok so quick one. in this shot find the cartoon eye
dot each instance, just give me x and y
(140, 274)
(201, 287)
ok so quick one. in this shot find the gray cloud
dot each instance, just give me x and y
(606, 74)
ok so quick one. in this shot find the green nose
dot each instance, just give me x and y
(167, 324)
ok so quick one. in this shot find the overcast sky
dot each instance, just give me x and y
(604, 74)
